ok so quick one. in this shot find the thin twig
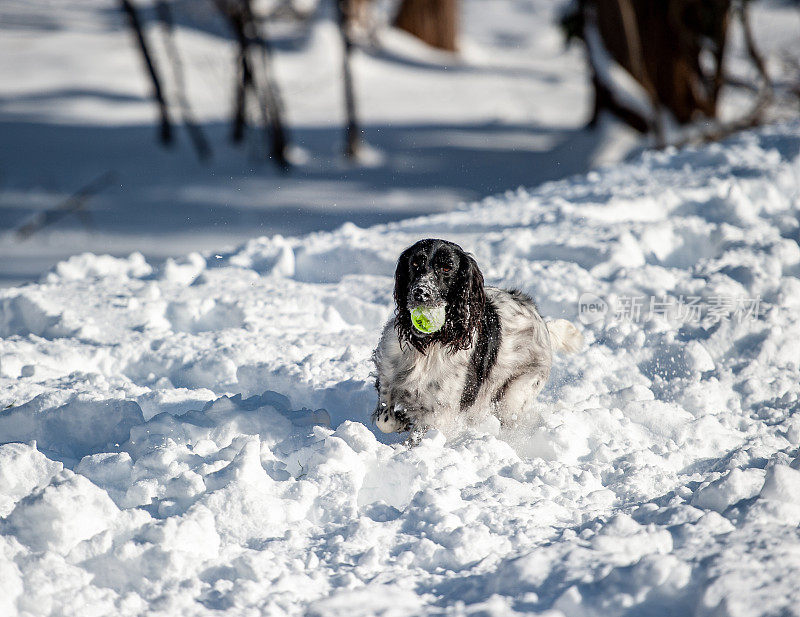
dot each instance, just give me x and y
(243, 23)
(764, 95)
(74, 204)
(269, 97)
(199, 141)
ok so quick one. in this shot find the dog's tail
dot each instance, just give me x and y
(564, 337)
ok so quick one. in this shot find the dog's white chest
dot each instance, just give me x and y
(435, 379)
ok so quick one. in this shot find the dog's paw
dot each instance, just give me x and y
(388, 423)
(390, 420)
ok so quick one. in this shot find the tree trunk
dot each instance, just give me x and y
(158, 92)
(352, 140)
(660, 45)
(433, 21)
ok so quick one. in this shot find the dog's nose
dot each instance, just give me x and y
(421, 294)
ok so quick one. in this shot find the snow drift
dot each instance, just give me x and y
(194, 439)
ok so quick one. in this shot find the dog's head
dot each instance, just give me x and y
(433, 273)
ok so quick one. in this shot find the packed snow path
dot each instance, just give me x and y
(660, 479)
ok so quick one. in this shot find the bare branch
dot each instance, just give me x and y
(74, 204)
(136, 26)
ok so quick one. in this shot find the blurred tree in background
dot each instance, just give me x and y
(674, 50)
(432, 21)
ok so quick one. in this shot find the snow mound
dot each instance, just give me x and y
(195, 439)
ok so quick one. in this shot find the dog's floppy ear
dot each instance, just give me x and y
(465, 307)
(402, 280)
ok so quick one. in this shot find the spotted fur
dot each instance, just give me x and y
(492, 356)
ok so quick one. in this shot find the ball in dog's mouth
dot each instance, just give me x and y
(428, 319)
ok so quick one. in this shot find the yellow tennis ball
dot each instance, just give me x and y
(428, 320)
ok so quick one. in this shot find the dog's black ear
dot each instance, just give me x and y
(402, 280)
(465, 306)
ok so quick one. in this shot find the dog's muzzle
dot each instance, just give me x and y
(424, 292)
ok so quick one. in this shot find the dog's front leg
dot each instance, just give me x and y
(415, 436)
(390, 418)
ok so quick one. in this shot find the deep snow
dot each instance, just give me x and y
(661, 478)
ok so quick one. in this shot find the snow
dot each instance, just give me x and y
(185, 389)
(193, 437)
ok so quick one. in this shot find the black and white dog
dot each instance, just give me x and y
(492, 354)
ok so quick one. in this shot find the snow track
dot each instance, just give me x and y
(195, 439)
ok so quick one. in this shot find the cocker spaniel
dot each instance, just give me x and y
(456, 350)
